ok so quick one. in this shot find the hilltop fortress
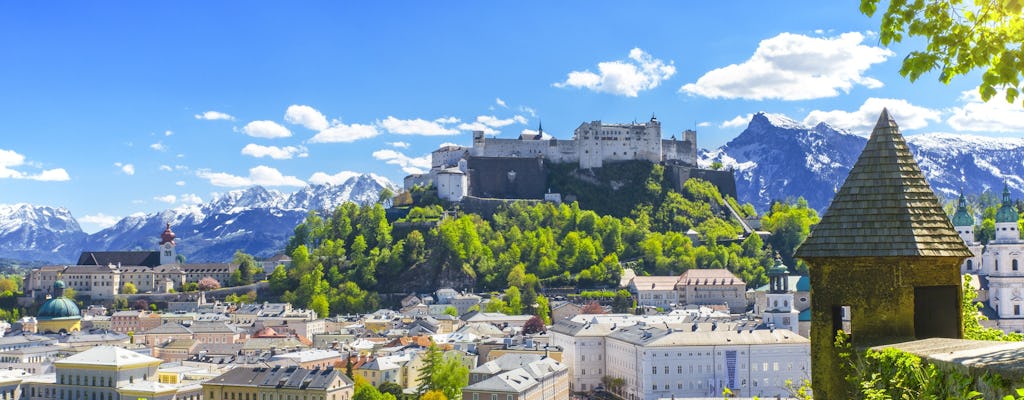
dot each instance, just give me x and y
(515, 168)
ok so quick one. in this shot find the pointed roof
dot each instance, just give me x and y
(885, 208)
(962, 217)
(1007, 212)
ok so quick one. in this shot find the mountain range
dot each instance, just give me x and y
(777, 158)
(255, 220)
(774, 158)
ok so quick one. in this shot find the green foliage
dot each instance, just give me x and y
(247, 298)
(11, 315)
(247, 268)
(972, 317)
(368, 392)
(391, 388)
(189, 287)
(10, 285)
(129, 288)
(445, 374)
(451, 310)
(959, 38)
(543, 310)
(789, 224)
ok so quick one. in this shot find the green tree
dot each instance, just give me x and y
(514, 301)
(129, 288)
(434, 395)
(247, 267)
(319, 305)
(543, 310)
(959, 37)
(972, 317)
(391, 388)
(789, 224)
(451, 310)
(279, 281)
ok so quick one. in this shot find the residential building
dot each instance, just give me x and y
(711, 287)
(278, 383)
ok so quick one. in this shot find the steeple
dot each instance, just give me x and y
(962, 218)
(1007, 212)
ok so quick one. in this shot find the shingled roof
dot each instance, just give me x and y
(885, 208)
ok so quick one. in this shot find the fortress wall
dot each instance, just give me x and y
(447, 156)
(489, 177)
(723, 180)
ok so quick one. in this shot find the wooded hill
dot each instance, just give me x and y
(341, 260)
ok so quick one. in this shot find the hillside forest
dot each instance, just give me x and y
(343, 261)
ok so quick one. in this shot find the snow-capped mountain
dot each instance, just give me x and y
(776, 158)
(30, 232)
(255, 220)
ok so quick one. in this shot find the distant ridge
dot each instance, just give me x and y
(776, 158)
(256, 220)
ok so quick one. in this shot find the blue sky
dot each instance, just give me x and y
(117, 108)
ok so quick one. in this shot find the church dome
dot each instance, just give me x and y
(58, 308)
(167, 236)
(962, 217)
(1006, 213)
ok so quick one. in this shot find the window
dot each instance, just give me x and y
(1015, 265)
(1016, 309)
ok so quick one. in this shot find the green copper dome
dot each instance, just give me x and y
(778, 268)
(1006, 213)
(58, 308)
(962, 217)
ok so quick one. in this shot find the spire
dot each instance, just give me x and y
(1007, 212)
(961, 217)
(885, 207)
(167, 236)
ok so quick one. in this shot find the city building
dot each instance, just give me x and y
(780, 310)
(712, 287)
(102, 275)
(279, 383)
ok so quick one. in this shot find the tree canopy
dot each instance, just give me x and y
(959, 38)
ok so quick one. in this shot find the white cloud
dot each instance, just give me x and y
(213, 115)
(306, 116)
(478, 126)
(168, 132)
(260, 175)
(995, 115)
(277, 153)
(862, 120)
(447, 120)
(704, 124)
(795, 67)
(411, 165)
(51, 175)
(341, 133)
(166, 168)
(400, 145)
(266, 129)
(415, 127)
(11, 158)
(446, 144)
(180, 183)
(158, 146)
(100, 219)
(495, 122)
(128, 169)
(169, 199)
(738, 121)
(500, 102)
(321, 178)
(190, 198)
(625, 78)
(528, 110)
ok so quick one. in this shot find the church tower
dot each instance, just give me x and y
(168, 255)
(886, 252)
(963, 222)
(1006, 220)
(779, 311)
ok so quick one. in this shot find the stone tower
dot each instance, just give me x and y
(885, 251)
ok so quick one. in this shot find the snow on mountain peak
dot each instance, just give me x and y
(776, 120)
